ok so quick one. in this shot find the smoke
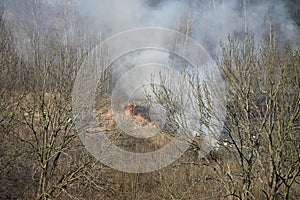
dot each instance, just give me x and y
(114, 16)
(215, 22)
(209, 21)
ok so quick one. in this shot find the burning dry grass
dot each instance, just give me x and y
(139, 114)
(134, 120)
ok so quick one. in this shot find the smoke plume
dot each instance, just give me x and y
(209, 22)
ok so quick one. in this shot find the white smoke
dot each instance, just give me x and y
(210, 21)
(207, 21)
(116, 16)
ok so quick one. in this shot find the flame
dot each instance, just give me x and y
(139, 114)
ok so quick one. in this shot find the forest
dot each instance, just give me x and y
(238, 117)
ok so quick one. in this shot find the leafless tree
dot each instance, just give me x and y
(52, 156)
(259, 144)
(262, 121)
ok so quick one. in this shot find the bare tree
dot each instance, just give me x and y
(262, 119)
(53, 158)
(259, 144)
(9, 156)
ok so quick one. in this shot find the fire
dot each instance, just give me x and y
(139, 114)
(128, 109)
(134, 110)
